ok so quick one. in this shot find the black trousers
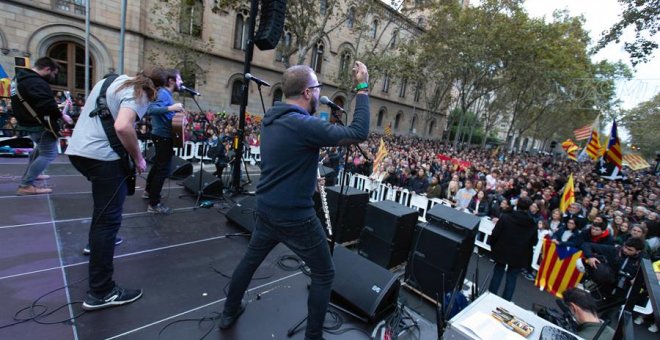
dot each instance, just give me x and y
(160, 169)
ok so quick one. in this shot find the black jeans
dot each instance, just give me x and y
(160, 169)
(511, 279)
(306, 238)
(108, 191)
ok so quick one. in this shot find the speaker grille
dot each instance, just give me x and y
(271, 24)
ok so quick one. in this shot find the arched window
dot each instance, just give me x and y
(284, 46)
(374, 29)
(397, 120)
(395, 37)
(277, 95)
(323, 6)
(345, 62)
(188, 73)
(236, 92)
(412, 124)
(431, 126)
(241, 30)
(421, 21)
(191, 17)
(386, 82)
(317, 57)
(71, 57)
(381, 115)
(402, 88)
(418, 91)
(350, 17)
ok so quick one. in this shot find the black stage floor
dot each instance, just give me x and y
(182, 262)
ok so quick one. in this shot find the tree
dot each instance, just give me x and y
(643, 123)
(643, 15)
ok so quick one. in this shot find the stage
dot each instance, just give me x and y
(182, 262)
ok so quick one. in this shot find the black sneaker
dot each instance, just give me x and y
(159, 209)
(117, 297)
(227, 321)
(118, 241)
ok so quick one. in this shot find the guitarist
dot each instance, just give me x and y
(91, 153)
(162, 110)
(31, 93)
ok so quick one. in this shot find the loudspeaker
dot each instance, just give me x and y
(387, 233)
(329, 174)
(179, 168)
(211, 185)
(365, 288)
(441, 251)
(351, 219)
(271, 24)
(243, 213)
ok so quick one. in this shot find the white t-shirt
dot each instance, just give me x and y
(89, 139)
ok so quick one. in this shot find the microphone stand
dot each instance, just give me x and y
(200, 192)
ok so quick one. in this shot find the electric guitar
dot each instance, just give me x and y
(53, 125)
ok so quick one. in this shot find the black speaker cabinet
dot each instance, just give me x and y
(329, 174)
(351, 219)
(362, 286)
(461, 221)
(179, 168)
(387, 233)
(271, 24)
(439, 257)
(210, 186)
(243, 213)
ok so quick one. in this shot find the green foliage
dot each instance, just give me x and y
(643, 16)
(643, 124)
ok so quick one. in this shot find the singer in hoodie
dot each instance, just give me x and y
(290, 141)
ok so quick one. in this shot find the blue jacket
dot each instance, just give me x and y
(290, 143)
(161, 119)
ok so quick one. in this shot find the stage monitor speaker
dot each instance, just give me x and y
(179, 168)
(439, 258)
(243, 213)
(353, 206)
(384, 254)
(211, 185)
(463, 222)
(271, 24)
(329, 174)
(367, 289)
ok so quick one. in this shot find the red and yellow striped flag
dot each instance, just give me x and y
(380, 155)
(635, 162)
(613, 153)
(593, 147)
(558, 271)
(388, 129)
(573, 152)
(568, 196)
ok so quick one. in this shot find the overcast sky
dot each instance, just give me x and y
(600, 15)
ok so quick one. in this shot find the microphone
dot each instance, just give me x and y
(189, 90)
(249, 76)
(326, 101)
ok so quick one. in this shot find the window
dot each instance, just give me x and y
(345, 62)
(386, 83)
(317, 57)
(71, 57)
(374, 29)
(402, 88)
(381, 115)
(412, 124)
(418, 91)
(395, 37)
(323, 6)
(277, 95)
(431, 126)
(421, 21)
(241, 30)
(71, 6)
(350, 17)
(192, 12)
(236, 92)
(285, 46)
(188, 73)
(397, 120)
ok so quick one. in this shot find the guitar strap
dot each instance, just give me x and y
(103, 112)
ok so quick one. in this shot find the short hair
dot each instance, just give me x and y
(582, 299)
(634, 242)
(295, 80)
(45, 62)
(524, 203)
(161, 76)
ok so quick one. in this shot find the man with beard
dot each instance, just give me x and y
(162, 110)
(31, 94)
(290, 141)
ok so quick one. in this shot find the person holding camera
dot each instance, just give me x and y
(584, 308)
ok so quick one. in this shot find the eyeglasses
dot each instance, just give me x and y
(318, 86)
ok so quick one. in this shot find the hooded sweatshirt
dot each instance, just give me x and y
(290, 143)
(36, 91)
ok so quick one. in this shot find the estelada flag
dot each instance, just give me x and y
(568, 196)
(613, 153)
(558, 271)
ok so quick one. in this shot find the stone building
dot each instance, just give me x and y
(56, 28)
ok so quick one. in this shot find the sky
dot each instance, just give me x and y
(600, 15)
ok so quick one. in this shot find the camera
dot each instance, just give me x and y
(623, 277)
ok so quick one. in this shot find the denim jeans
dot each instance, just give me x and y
(108, 191)
(44, 152)
(160, 169)
(306, 238)
(509, 286)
